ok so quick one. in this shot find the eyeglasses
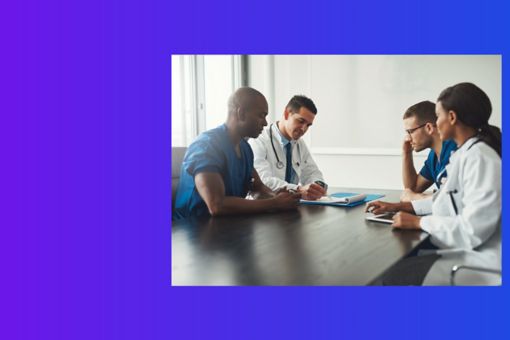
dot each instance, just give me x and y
(410, 131)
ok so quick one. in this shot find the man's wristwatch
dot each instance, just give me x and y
(322, 184)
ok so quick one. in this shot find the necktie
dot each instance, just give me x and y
(288, 169)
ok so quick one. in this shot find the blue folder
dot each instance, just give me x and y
(370, 197)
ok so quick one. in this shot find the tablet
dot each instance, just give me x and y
(382, 218)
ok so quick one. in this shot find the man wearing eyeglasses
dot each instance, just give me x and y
(420, 125)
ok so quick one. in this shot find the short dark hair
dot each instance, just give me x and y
(425, 112)
(242, 97)
(299, 101)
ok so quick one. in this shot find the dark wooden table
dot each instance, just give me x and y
(313, 245)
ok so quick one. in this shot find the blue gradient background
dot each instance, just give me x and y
(85, 140)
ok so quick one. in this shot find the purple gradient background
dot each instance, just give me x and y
(85, 140)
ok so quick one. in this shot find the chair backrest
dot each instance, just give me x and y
(485, 270)
(177, 158)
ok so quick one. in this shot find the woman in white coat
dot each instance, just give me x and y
(464, 220)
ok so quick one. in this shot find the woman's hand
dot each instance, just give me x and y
(380, 207)
(405, 220)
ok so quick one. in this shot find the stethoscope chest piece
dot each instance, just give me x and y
(279, 165)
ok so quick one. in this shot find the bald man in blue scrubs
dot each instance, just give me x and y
(217, 173)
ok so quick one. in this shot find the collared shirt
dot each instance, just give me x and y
(269, 154)
(434, 169)
(213, 151)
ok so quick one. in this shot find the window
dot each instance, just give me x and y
(201, 86)
(183, 100)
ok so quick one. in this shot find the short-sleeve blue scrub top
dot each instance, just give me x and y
(213, 151)
(434, 169)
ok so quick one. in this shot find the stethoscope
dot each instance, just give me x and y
(279, 163)
(450, 194)
(438, 177)
(454, 191)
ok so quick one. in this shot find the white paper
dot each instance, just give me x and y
(346, 200)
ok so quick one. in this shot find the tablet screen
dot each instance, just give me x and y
(384, 218)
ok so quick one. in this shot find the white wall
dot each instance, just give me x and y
(356, 137)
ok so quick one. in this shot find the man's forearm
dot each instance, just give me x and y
(262, 193)
(235, 205)
(409, 174)
(406, 206)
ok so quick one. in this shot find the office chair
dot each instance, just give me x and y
(177, 158)
(457, 268)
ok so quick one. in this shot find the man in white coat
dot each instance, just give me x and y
(281, 157)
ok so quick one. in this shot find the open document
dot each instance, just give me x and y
(343, 199)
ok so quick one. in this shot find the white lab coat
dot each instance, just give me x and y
(265, 161)
(472, 236)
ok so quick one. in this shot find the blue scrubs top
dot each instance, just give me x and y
(434, 169)
(213, 151)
